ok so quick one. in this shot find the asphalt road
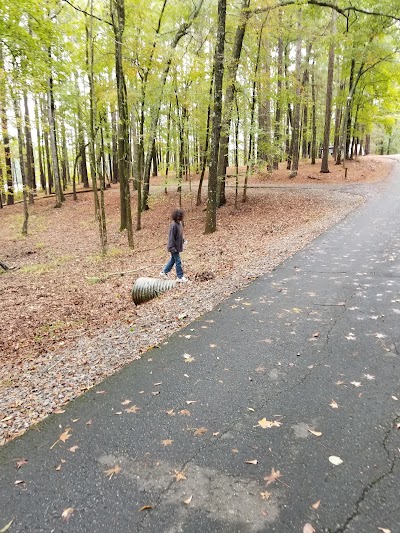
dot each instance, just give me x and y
(315, 346)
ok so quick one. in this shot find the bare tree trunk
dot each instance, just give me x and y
(53, 140)
(30, 160)
(182, 30)
(277, 126)
(117, 8)
(314, 118)
(39, 147)
(5, 134)
(328, 100)
(17, 112)
(211, 219)
(206, 142)
(229, 97)
(297, 105)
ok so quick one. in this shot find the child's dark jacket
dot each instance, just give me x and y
(175, 238)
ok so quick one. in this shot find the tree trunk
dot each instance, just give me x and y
(229, 97)
(314, 118)
(277, 126)
(218, 69)
(328, 100)
(117, 8)
(39, 147)
(5, 134)
(297, 105)
(206, 142)
(53, 140)
(17, 112)
(182, 30)
(30, 160)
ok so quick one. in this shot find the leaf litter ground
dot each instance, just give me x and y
(67, 318)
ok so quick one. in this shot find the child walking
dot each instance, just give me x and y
(175, 246)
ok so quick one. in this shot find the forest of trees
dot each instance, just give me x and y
(114, 91)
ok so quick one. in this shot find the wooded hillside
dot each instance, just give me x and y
(118, 91)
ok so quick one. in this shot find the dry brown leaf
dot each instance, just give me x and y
(308, 528)
(189, 402)
(89, 422)
(179, 476)
(251, 462)
(316, 433)
(111, 471)
(334, 405)
(67, 513)
(171, 412)
(59, 411)
(155, 393)
(63, 437)
(20, 463)
(145, 508)
(384, 530)
(73, 448)
(132, 409)
(101, 392)
(264, 512)
(264, 423)
(274, 475)
(235, 450)
(356, 383)
(167, 442)
(316, 334)
(126, 402)
(19, 482)
(316, 504)
(188, 500)
(216, 434)
(185, 412)
(265, 495)
(395, 398)
(189, 359)
(200, 431)
(75, 419)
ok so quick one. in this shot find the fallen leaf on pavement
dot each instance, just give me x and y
(200, 431)
(335, 460)
(89, 422)
(308, 528)
(252, 462)
(184, 412)
(265, 495)
(67, 513)
(188, 500)
(316, 504)
(19, 482)
(101, 392)
(167, 442)
(316, 433)
(264, 423)
(384, 530)
(274, 475)
(145, 507)
(179, 476)
(171, 412)
(125, 402)
(356, 383)
(334, 405)
(155, 393)
(111, 471)
(73, 448)
(20, 463)
(190, 401)
(132, 409)
(316, 334)
(63, 437)
(235, 450)
(368, 376)
(395, 398)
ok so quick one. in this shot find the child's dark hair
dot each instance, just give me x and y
(177, 215)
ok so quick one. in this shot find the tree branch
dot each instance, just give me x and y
(345, 11)
(86, 13)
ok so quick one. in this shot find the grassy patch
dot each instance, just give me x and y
(42, 268)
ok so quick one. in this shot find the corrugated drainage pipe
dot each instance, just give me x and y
(145, 289)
